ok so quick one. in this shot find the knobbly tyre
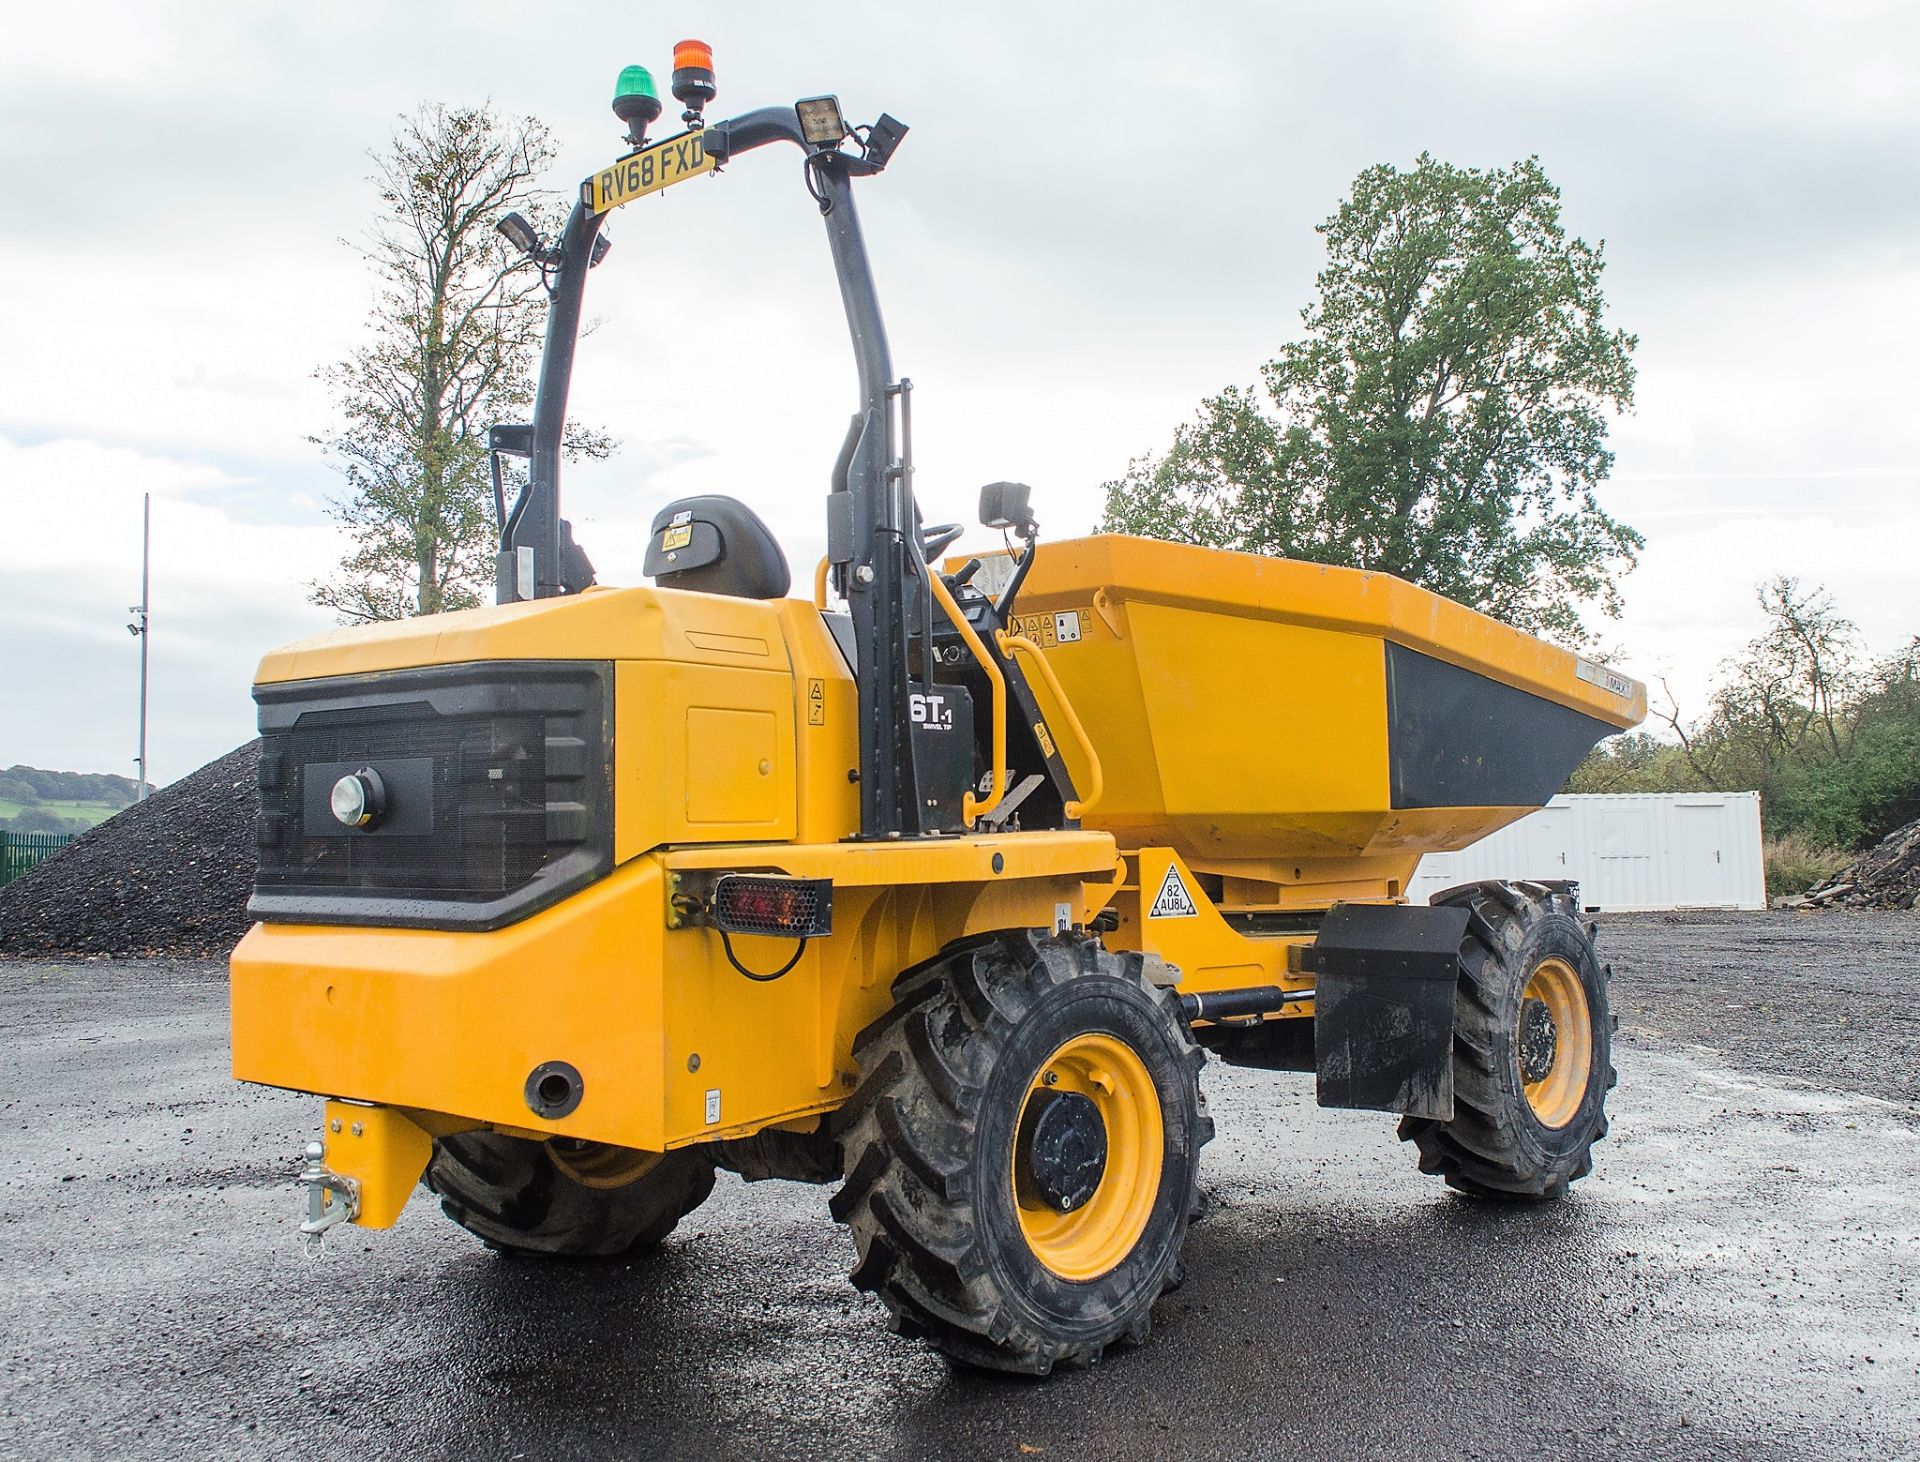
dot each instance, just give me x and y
(939, 895)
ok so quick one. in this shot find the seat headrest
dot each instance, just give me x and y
(716, 545)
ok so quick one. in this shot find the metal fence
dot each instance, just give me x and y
(21, 851)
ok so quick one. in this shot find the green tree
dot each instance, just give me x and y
(40, 820)
(1786, 702)
(1635, 762)
(1829, 740)
(1873, 785)
(1444, 417)
(454, 335)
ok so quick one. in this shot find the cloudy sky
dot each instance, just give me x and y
(1104, 212)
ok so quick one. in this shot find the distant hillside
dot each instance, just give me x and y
(34, 800)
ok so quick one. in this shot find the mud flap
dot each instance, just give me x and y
(1385, 977)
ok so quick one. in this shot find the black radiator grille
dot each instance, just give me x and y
(497, 776)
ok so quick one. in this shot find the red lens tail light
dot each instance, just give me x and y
(763, 903)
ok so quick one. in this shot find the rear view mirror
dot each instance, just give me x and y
(1004, 505)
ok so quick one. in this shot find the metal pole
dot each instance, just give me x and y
(528, 565)
(146, 558)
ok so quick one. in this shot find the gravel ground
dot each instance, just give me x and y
(170, 875)
(1831, 996)
(1738, 1279)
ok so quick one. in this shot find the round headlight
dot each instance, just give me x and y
(355, 798)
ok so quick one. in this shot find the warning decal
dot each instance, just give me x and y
(1048, 630)
(816, 701)
(1173, 901)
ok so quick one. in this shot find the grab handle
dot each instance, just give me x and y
(969, 807)
(1027, 650)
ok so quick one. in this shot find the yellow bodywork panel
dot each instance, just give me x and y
(455, 1022)
(709, 756)
(382, 1150)
(1166, 912)
(601, 624)
(826, 734)
(1112, 572)
(1217, 734)
(1241, 704)
(733, 718)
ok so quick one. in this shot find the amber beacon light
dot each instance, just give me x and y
(693, 83)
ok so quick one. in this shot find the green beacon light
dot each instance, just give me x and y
(636, 103)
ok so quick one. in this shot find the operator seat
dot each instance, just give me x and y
(716, 545)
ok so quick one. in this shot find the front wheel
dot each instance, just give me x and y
(1532, 1060)
(1022, 1153)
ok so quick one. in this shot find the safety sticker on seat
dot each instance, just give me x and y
(1173, 901)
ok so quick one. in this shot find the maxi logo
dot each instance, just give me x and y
(1173, 901)
(1611, 681)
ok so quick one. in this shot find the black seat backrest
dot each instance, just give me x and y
(716, 545)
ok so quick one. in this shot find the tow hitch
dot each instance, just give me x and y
(377, 1156)
(331, 1199)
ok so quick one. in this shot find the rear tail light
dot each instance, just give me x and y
(760, 903)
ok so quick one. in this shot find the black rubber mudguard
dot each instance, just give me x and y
(1385, 977)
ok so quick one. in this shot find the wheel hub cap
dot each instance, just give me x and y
(1553, 1042)
(1087, 1154)
(1063, 1148)
(1539, 1040)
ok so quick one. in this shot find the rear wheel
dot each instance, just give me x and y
(1532, 1046)
(1022, 1153)
(565, 1198)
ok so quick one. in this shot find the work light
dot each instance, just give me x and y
(358, 798)
(518, 232)
(820, 120)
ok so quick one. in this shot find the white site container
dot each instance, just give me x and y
(1634, 851)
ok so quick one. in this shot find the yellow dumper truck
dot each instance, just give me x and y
(935, 884)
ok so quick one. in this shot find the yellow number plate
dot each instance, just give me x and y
(659, 166)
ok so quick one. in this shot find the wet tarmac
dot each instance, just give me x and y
(1740, 1277)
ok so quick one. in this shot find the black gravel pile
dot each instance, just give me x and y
(1888, 877)
(170, 875)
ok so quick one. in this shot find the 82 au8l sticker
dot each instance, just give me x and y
(1173, 901)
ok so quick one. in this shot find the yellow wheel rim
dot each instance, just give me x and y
(1555, 1080)
(600, 1165)
(1094, 1237)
